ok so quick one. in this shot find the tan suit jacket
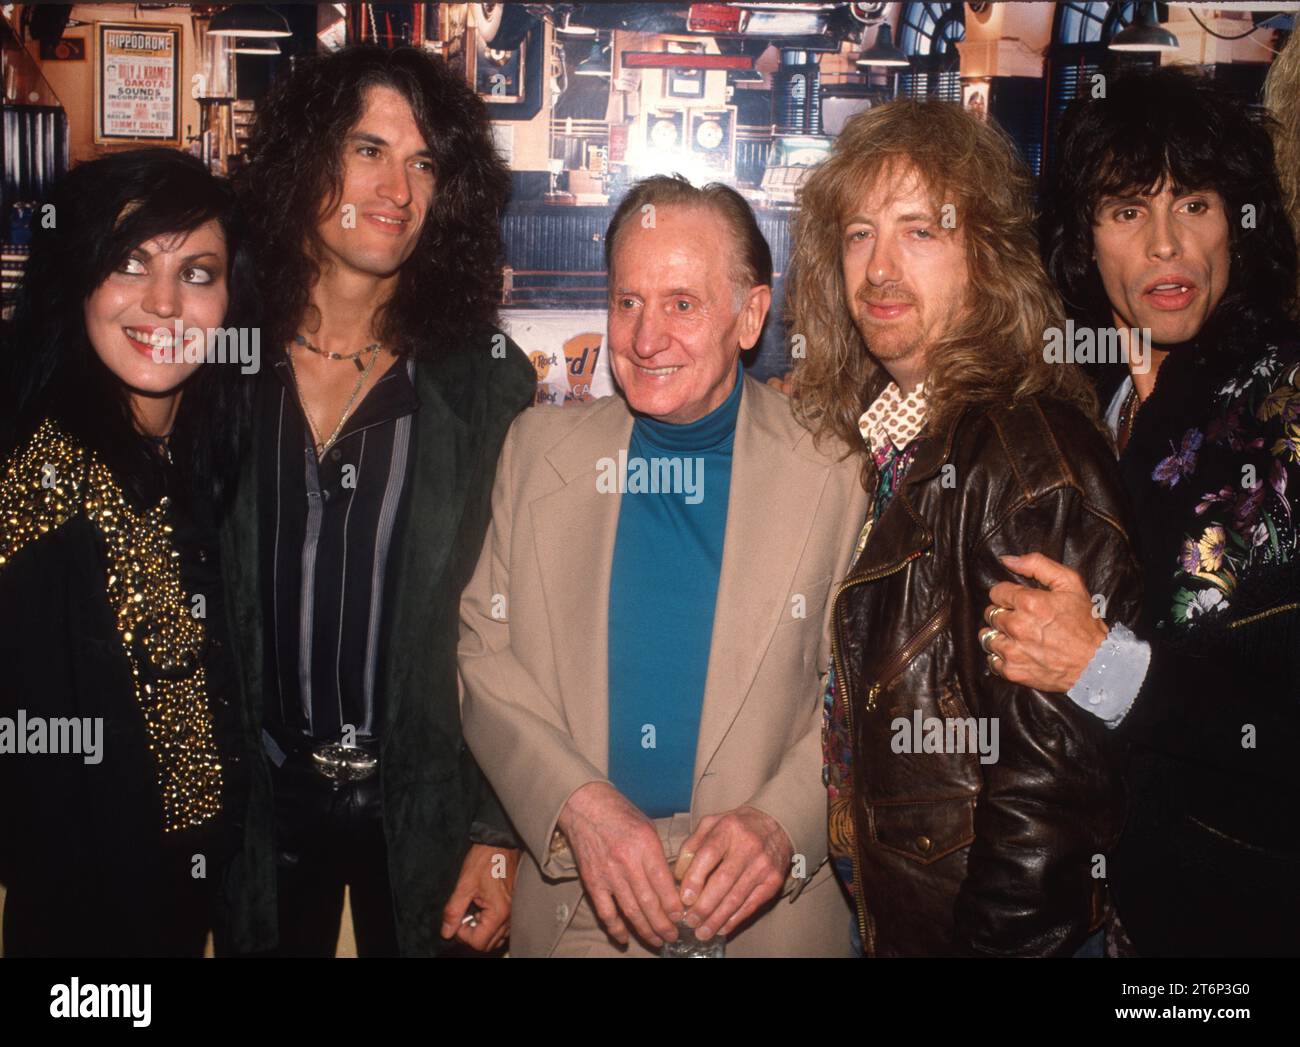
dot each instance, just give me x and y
(533, 652)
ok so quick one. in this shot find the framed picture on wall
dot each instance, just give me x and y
(137, 98)
(713, 138)
(975, 97)
(684, 81)
(665, 131)
(510, 80)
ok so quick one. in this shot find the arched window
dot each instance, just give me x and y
(1091, 23)
(928, 35)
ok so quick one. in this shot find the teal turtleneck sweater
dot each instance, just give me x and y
(663, 588)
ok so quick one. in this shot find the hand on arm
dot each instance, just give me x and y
(1051, 800)
(622, 865)
(732, 864)
(782, 384)
(1047, 636)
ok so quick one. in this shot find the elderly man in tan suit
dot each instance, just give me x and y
(559, 670)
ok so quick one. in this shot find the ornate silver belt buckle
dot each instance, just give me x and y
(343, 763)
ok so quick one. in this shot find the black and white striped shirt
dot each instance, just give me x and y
(325, 544)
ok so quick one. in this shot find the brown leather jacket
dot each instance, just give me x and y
(955, 856)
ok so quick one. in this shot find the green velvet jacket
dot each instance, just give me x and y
(432, 789)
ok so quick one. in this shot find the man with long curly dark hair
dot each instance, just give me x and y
(376, 195)
(1168, 216)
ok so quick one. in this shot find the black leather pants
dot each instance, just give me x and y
(328, 835)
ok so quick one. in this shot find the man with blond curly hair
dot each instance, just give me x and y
(968, 815)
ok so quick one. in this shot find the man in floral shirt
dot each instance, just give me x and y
(1167, 217)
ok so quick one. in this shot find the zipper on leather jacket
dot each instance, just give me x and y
(837, 659)
(894, 667)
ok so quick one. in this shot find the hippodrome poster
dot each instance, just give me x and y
(135, 83)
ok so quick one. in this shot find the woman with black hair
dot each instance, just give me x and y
(121, 781)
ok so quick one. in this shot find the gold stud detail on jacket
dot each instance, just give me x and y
(45, 484)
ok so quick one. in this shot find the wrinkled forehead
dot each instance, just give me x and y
(676, 236)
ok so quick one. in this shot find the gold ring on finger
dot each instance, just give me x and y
(994, 660)
(987, 636)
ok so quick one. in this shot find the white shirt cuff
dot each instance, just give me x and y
(1111, 681)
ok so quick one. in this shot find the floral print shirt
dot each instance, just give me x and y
(1244, 521)
(891, 427)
